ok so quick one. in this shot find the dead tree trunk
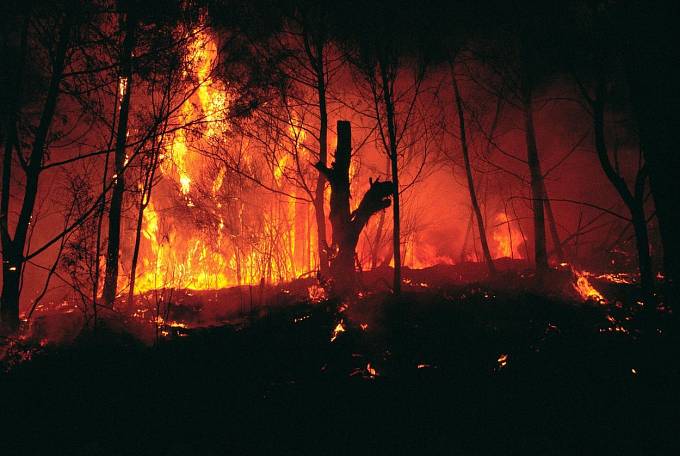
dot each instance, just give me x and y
(468, 173)
(347, 225)
(115, 209)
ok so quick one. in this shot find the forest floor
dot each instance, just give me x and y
(489, 367)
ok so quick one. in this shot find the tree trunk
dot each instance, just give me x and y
(634, 202)
(388, 99)
(135, 255)
(653, 76)
(537, 197)
(468, 230)
(644, 258)
(552, 226)
(12, 266)
(13, 248)
(348, 226)
(115, 209)
(319, 199)
(468, 172)
(147, 186)
(316, 60)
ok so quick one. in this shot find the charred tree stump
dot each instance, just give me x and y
(347, 225)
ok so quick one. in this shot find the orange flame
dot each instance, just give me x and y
(506, 238)
(211, 257)
(586, 290)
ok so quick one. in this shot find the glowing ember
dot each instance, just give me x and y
(302, 318)
(502, 360)
(371, 371)
(339, 328)
(615, 326)
(620, 278)
(316, 293)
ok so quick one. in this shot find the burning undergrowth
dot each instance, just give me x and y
(164, 314)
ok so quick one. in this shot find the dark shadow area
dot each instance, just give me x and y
(455, 370)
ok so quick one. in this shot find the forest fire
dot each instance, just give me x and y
(250, 226)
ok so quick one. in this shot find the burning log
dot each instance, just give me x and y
(348, 225)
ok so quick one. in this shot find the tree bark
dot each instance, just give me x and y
(115, 209)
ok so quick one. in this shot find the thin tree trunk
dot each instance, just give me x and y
(468, 173)
(552, 226)
(467, 236)
(319, 199)
(317, 62)
(540, 251)
(521, 231)
(147, 186)
(644, 258)
(115, 209)
(388, 99)
(135, 254)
